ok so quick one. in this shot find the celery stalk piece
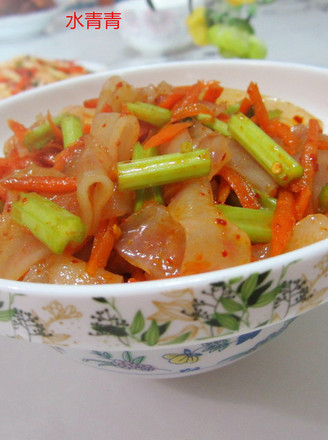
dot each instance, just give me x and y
(145, 194)
(164, 169)
(274, 159)
(255, 222)
(53, 225)
(323, 198)
(213, 123)
(266, 201)
(37, 137)
(71, 126)
(153, 114)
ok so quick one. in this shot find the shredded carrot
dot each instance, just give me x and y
(272, 127)
(56, 131)
(86, 128)
(18, 129)
(243, 190)
(65, 155)
(102, 247)
(41, 184)
(245, 105)
(166, 134)
(168, 101)
(260, 111)
(90, 103)
(304, 186)
(212, 91)
(189, 110)
(323, 143)
(191, 96)
(107, 108)
(223, 191)
(284, 132)
(283, 221)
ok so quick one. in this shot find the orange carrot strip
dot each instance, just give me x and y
(41, 184)
(283, 221)
(188, 111)
(322, 143)
(166, 134)
(102, 247)
(244, 192)
(284, 132)
(171, 99)
(191, 96)
(223, 191)
(245, 105)
(90, 103)
(261, 113)
(56, 131)
(18, 129)
(308, 160)
(212, 91)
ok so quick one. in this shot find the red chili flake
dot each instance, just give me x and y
(223, 157)
(220, 221)
(224, 253)
(119, 84)
(238, 236)
(298, 119)
(74, 260)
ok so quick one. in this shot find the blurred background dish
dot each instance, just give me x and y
(25, 19)
(158, 32)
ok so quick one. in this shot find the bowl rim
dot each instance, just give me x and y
(162, 285)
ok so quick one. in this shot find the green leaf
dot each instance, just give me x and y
(227, 320)
(101, 300)
(6, 315)
(139, 359)
(162, 328)
(267, 298)
(258, 292)
(127, 356)
(230, 305)
(248, 286)
(138, 323)
(109, 330)
(152, 334)
(181, 338)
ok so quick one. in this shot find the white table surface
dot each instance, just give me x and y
(277, 393)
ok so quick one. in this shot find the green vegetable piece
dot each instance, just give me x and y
(145, 194)
(50, 223)
(323, 198)
(37, 137)
(255, 222)
(153, 114)
(164, 169)
(266, 201)
(71, 126)
(272, 157)
(213, 123)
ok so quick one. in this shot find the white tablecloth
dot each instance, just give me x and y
(280, 392)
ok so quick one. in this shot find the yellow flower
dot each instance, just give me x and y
(240, 2)
(197, 26)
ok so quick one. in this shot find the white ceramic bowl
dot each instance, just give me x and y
(176, 326)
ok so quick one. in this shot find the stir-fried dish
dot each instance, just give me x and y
(160, 181)
(27, 72)
(10, 7)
